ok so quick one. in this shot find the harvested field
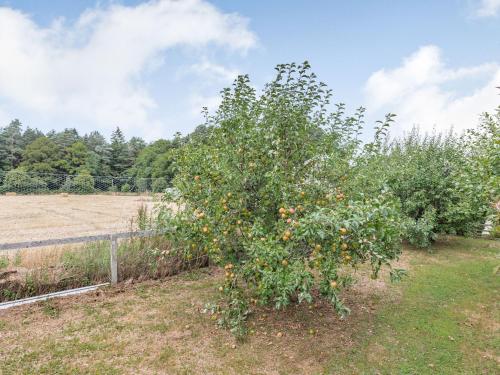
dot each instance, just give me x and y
(39, 217)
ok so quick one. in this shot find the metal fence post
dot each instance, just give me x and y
(114, 259)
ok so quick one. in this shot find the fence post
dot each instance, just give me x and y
(114, 259)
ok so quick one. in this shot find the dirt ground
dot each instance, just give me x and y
(40, 217)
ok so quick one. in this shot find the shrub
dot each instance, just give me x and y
(19, 181)
(126, 188)
(263, 195)
(495, 233)
(82, 183)
(159, 185)
(479, 180)
(420, 232)
(143, 185)
(440, 184)
(4, 262)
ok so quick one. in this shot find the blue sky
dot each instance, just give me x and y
(150, 66)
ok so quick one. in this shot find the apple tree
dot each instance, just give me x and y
(264, 195)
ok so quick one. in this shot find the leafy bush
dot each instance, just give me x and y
(159, 185)
(263, 195)
(19, 181)
(82, 183)
(482, 168)
(4, 262)
(143, 185)
(495, 233)
(126, 188)
(440, 182)
(420, 232)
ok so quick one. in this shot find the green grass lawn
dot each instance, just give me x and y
(446, 322)
(442, 319)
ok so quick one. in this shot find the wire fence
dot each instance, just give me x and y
(71, 265)
(111, 237)
(21, 182)
(52, 242)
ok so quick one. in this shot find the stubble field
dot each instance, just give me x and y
(40, 217)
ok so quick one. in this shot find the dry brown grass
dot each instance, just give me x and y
(39, 217)
(32, 271)
(157, 327)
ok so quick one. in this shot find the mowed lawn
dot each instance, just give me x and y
(443, 319)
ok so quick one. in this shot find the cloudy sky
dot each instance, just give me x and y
(149, 66)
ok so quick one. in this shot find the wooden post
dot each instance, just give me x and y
(114, 259)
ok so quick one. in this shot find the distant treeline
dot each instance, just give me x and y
(26, 151)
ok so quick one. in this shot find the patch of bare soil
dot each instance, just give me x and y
(367, 286)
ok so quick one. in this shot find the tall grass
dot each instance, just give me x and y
(28, 273)
(138, 259)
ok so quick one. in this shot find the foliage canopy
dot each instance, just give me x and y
(263, 195)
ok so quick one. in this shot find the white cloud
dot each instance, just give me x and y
(213, 78)
(214, 72)
(92, 71)
(488, 8)
(4, 118)
(198, 102)
(423, 91)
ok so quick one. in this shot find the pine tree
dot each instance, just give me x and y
(29, 135)
(135, 146)
(11, 146)
(65, 138)
(98, 162)
(119, 157)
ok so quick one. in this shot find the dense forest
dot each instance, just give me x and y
(33, 161)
